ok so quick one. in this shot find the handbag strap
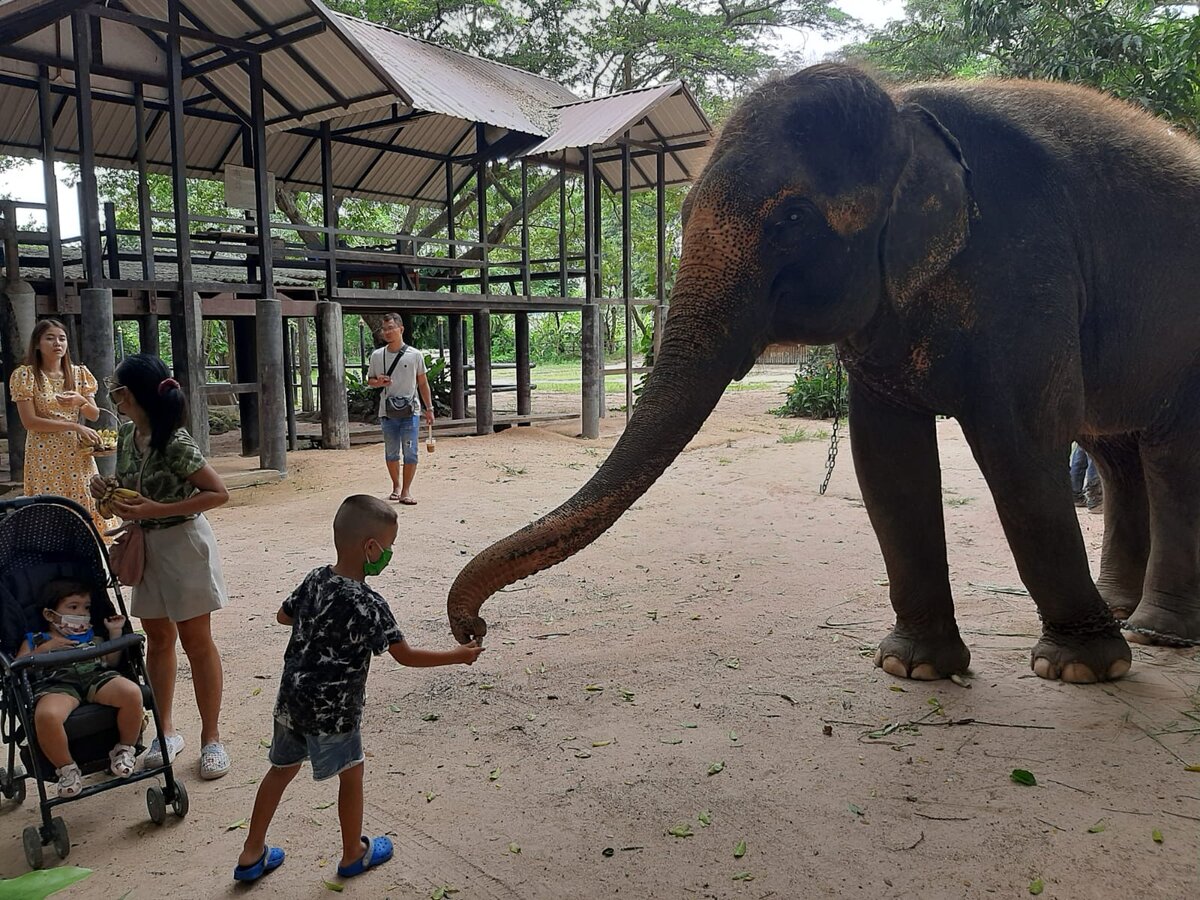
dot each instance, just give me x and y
(399, 353)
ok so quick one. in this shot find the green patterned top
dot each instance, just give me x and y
(165, 478)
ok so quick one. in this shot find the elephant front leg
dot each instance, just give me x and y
(896, 460)
(1081, 641)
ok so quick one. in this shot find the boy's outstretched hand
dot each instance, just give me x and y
(469, 652)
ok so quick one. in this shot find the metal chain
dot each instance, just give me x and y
(839, 405)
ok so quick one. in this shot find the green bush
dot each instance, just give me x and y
(814, 394)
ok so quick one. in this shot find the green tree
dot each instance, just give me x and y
(1139, 50)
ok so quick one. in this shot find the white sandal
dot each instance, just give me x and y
(122, 760)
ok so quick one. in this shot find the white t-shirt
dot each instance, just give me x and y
(404, 376)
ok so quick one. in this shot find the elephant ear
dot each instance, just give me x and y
(929, 219)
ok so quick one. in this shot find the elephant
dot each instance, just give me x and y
(1021, 256)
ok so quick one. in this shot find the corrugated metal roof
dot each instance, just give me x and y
(452, 83)
(352, 74)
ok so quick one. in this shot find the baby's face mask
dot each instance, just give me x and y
(75, 627)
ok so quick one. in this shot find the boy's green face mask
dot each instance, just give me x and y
(374, 568)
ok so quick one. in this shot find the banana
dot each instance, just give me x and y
(113, 492)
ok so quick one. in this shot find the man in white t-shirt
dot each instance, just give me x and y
(400, 370)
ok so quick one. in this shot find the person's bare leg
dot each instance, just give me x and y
(207, 675)
(162, 667)
(393, 467)
(127, 698)
(350, 814)
(49, 717)
(410, 472)
(266, 801)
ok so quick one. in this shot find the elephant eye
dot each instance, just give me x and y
(795, 214)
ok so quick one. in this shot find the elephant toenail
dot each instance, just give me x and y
(1044, 668)
(895, 666)
(1078, 673)
(925, 672)
(1118, 668)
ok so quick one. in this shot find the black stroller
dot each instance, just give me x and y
(43, 538)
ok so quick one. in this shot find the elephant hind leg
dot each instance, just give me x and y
(1169, 611)
(1126, 522)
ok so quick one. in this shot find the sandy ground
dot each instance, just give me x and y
(727, 620)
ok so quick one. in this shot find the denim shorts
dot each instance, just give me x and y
(400, 439)
(330, 754)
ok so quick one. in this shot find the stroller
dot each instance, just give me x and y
(42, 538)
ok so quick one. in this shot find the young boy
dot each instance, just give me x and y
(67, 608)
(338, 623)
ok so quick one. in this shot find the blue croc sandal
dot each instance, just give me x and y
(379, 851)
(271, 860)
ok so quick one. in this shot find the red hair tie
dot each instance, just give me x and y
(167, 384)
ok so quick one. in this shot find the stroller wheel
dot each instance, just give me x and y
(62, 843)
(156, 804)
(11, 786)
(32, 842)
(180, 803)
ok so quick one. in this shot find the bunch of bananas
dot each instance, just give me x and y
(108, 439)
(113, 492)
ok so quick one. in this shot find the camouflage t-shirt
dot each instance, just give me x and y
(165, 477)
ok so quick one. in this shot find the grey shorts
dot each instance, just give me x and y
(183, 576)
(330, 754)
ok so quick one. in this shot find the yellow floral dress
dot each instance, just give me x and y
(55, 461)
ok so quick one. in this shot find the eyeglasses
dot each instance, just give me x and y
(114, 386)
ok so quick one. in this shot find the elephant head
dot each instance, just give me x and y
(824, 201)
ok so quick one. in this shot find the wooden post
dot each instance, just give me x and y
(50, 184)
(262, 197)
(89, 222)
(525, 228)
(289, 385)
(112, 250)
(592, 347)
(458, 368)
(98, 352)
(562, 228)
(524, 399)
(331, 377)
(593, 394)
(147, 324)
(305, 356)
(329, 213)
(660, 281)
(483, 371)
(627, 277)
(481, 181)
(598, 290)
(187, 325)
(245, 342)
(18, 315)
(272, 404)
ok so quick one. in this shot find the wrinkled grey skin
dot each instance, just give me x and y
(1024, 257)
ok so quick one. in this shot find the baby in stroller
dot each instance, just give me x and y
(57, 691)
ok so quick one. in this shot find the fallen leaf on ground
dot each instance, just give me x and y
(739, 850)
(42, 883)
(1098, 827)
(742, 876)
(1156, 836)
(680, 831)
(514, 848)
(716, 767)
(333, 886)
(705, 818)
(1023, 776)
(1036, 886)
(240, 823)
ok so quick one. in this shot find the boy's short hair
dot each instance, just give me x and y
(394, 318)
(362, 516)
(60, 588)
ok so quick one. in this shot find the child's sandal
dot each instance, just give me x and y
(122, 759)
(378, 851)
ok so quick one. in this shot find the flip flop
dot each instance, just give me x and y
(271, 860)
(394, 495)
(408, 501)
(379, 851)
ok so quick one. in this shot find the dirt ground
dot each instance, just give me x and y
(706, 663)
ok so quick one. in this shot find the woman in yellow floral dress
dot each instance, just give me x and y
(50, 394)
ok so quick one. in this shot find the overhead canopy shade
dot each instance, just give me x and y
(399, 109)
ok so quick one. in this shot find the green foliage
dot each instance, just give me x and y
(1140, 50)
(814, 394)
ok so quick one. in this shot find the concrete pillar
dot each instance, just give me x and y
(272, 402)
(98, 352)
(331, 377)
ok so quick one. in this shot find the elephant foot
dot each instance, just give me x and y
(1121, 601)
(1151, 624)
(924, 658)
(1081, 657)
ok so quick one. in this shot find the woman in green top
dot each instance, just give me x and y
(182, 583)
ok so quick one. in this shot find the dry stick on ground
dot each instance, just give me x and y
(903, 847)
(944, 818)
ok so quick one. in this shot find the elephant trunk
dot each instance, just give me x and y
(699, 356)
